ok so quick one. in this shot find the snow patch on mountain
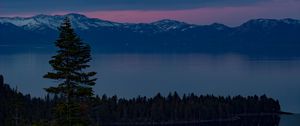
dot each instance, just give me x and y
(167, 24)
(291, 21)
(19, 21)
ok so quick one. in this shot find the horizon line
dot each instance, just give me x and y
(143, 22)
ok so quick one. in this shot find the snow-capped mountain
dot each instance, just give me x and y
(81, 22)
(41, 22)
(269, 23)
(253, 36)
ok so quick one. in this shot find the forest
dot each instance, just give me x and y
(17, 109)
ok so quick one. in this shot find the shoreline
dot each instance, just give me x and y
(229, 119)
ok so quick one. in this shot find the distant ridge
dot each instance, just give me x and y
(254, 37)
(82, 22)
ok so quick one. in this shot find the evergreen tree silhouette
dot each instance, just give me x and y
(74, 82)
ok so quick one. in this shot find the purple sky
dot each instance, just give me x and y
(229, 12)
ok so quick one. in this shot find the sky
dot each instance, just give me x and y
(230, 12)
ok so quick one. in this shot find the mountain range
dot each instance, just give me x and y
(254, 37)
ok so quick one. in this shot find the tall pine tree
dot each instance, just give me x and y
(74, 82)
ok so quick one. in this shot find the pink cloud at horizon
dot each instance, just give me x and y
(232, 16)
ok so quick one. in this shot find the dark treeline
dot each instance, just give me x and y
(174, 108)
(17, 109)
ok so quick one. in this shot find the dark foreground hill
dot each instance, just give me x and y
(265, 37)
(17, 109)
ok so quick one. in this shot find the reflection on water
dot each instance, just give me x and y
(290, 120)
(241, 121)
(129, 75)
(257, 121)
(274, 120)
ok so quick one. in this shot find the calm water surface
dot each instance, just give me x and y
(129, 75)
(290, 120)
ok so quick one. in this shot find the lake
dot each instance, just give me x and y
(130, 75)
(289, 120)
